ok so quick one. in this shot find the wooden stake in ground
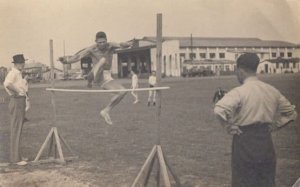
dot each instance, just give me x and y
(164, 170)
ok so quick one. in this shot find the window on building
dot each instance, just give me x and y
(227, 67)
(294, 64)
(289, 54)
(212, 55)
(281, 54)
(192, 55)
(221, 55)
(273, 55)
(221, 67)
(182, 55)
(202, 55)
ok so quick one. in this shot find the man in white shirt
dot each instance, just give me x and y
(134, 85)
(250, 112)
(16, 88)
(152, 93)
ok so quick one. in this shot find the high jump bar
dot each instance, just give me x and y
(105, 91)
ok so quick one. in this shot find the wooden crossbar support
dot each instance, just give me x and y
(44, 145)
(164, 170)
(157, 153)
(145, 170)
(163, 167)
(54, 140)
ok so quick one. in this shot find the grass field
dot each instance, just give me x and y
(196, 146)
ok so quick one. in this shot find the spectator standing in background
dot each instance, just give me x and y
(134, 85)
(152, 93)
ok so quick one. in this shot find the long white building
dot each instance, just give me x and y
(215, 54)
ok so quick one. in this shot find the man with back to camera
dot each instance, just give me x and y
(250, 112)
(101, 54)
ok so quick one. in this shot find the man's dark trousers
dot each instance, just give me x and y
(253, 157)
(16, 107)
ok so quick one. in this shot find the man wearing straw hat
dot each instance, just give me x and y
(250, 112)
(16, 88)
(101, 54)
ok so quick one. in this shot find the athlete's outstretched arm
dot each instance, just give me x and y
(77, 56)
(121, 45)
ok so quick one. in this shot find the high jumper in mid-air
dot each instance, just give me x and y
(101, 54)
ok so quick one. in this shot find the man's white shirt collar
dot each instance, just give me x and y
(252, 78)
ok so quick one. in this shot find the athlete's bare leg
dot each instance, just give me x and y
(136, 98)
(112, 85)
(96, 73)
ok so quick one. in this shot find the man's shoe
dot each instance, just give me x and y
(154, 103)
(106, 117)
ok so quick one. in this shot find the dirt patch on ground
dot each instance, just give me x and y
(37, 178)
(72, 174)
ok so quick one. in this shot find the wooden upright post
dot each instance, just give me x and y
(164, 169)
(158, 47)
(53, 138)
(52, 81)
(158, 73)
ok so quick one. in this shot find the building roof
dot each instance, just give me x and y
(134, 49)
(224, 42)
(137, 45)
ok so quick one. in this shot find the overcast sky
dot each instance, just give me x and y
(26, 26)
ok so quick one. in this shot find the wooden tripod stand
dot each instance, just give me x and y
(53, 138)
(156, 154)
(164, 170)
